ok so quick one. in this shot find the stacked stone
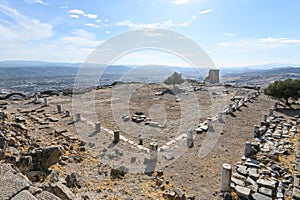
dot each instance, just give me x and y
(260, 175)
(240, 102)
(296, 190)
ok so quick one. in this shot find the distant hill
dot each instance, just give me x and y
(262, 77)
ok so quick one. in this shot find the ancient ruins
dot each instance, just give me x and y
(237, 143)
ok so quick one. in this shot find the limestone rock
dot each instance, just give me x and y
(74, 180)
(242, 192)
(11, 182)
(24, 195)
(25, 163)
(62, 191)
(46, 157)
(46, 196)
(258, 196)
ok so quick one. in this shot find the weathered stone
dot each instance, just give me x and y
(242, 170)
(266, 191)
(238, 182)
(296, 193)
(239, 176)
(3, 143)
(242, 192)
(24, 195)
(153, 146)
(50, 156)
(118, 172)
(226, 177)
(169, 156)
(258, 196)
(11, 182)
(74, 180)
(253, 173)
(251, 184)
(2, 154)
(116, 136)
(190, 139)
(35, 176)
(179, 193)
(267, 183)
(44, 195)
(25, 163)
(59, 108)
(62, 191)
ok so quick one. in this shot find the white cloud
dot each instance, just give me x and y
(194, 17)
(81, 12)
(98, 20)
(64, 7)
(107, 32)
(250, 45)
(224, 44)
(279, 40)
(206, 11)
(179, 2)
(17, 27)
(74, 16)
(92, 25)
(76, 11)
(91, 16)
(37, 1)
(165, 24)
(230, 34)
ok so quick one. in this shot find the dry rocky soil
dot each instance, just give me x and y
(46, 154)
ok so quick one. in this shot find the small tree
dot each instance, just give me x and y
(174, 79)
(284, 89)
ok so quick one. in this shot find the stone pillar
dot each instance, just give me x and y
(275, 105)
(256, 131)
(248, 149)
(242, 102)
(270, 112)
(153, 146)
(45, 101)
(236, 104)
(77, 117)
(140, 141)
(220, 116)
(209, 122)
(190, 139)
(229, 110)
(249, 97)
(97, 127)
(226, 177)
(116, 136)
(59, 108)
(36, 98)
(264, 118)
(68, 114)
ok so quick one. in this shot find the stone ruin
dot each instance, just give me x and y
(260, 175)
(213, 76)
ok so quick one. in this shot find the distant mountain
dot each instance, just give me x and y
(23, 63)
(261, 77)
(251, 68)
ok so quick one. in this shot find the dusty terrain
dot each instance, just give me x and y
(93, 155)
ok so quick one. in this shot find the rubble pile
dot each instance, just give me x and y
(266, 171)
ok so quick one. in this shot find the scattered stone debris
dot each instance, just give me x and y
(261, 175)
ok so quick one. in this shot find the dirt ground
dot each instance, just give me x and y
(194, 175)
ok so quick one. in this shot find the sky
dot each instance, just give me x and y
(231, 32)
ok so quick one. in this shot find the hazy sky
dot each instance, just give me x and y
(232, 32)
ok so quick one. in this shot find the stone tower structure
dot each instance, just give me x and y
(213, 76)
